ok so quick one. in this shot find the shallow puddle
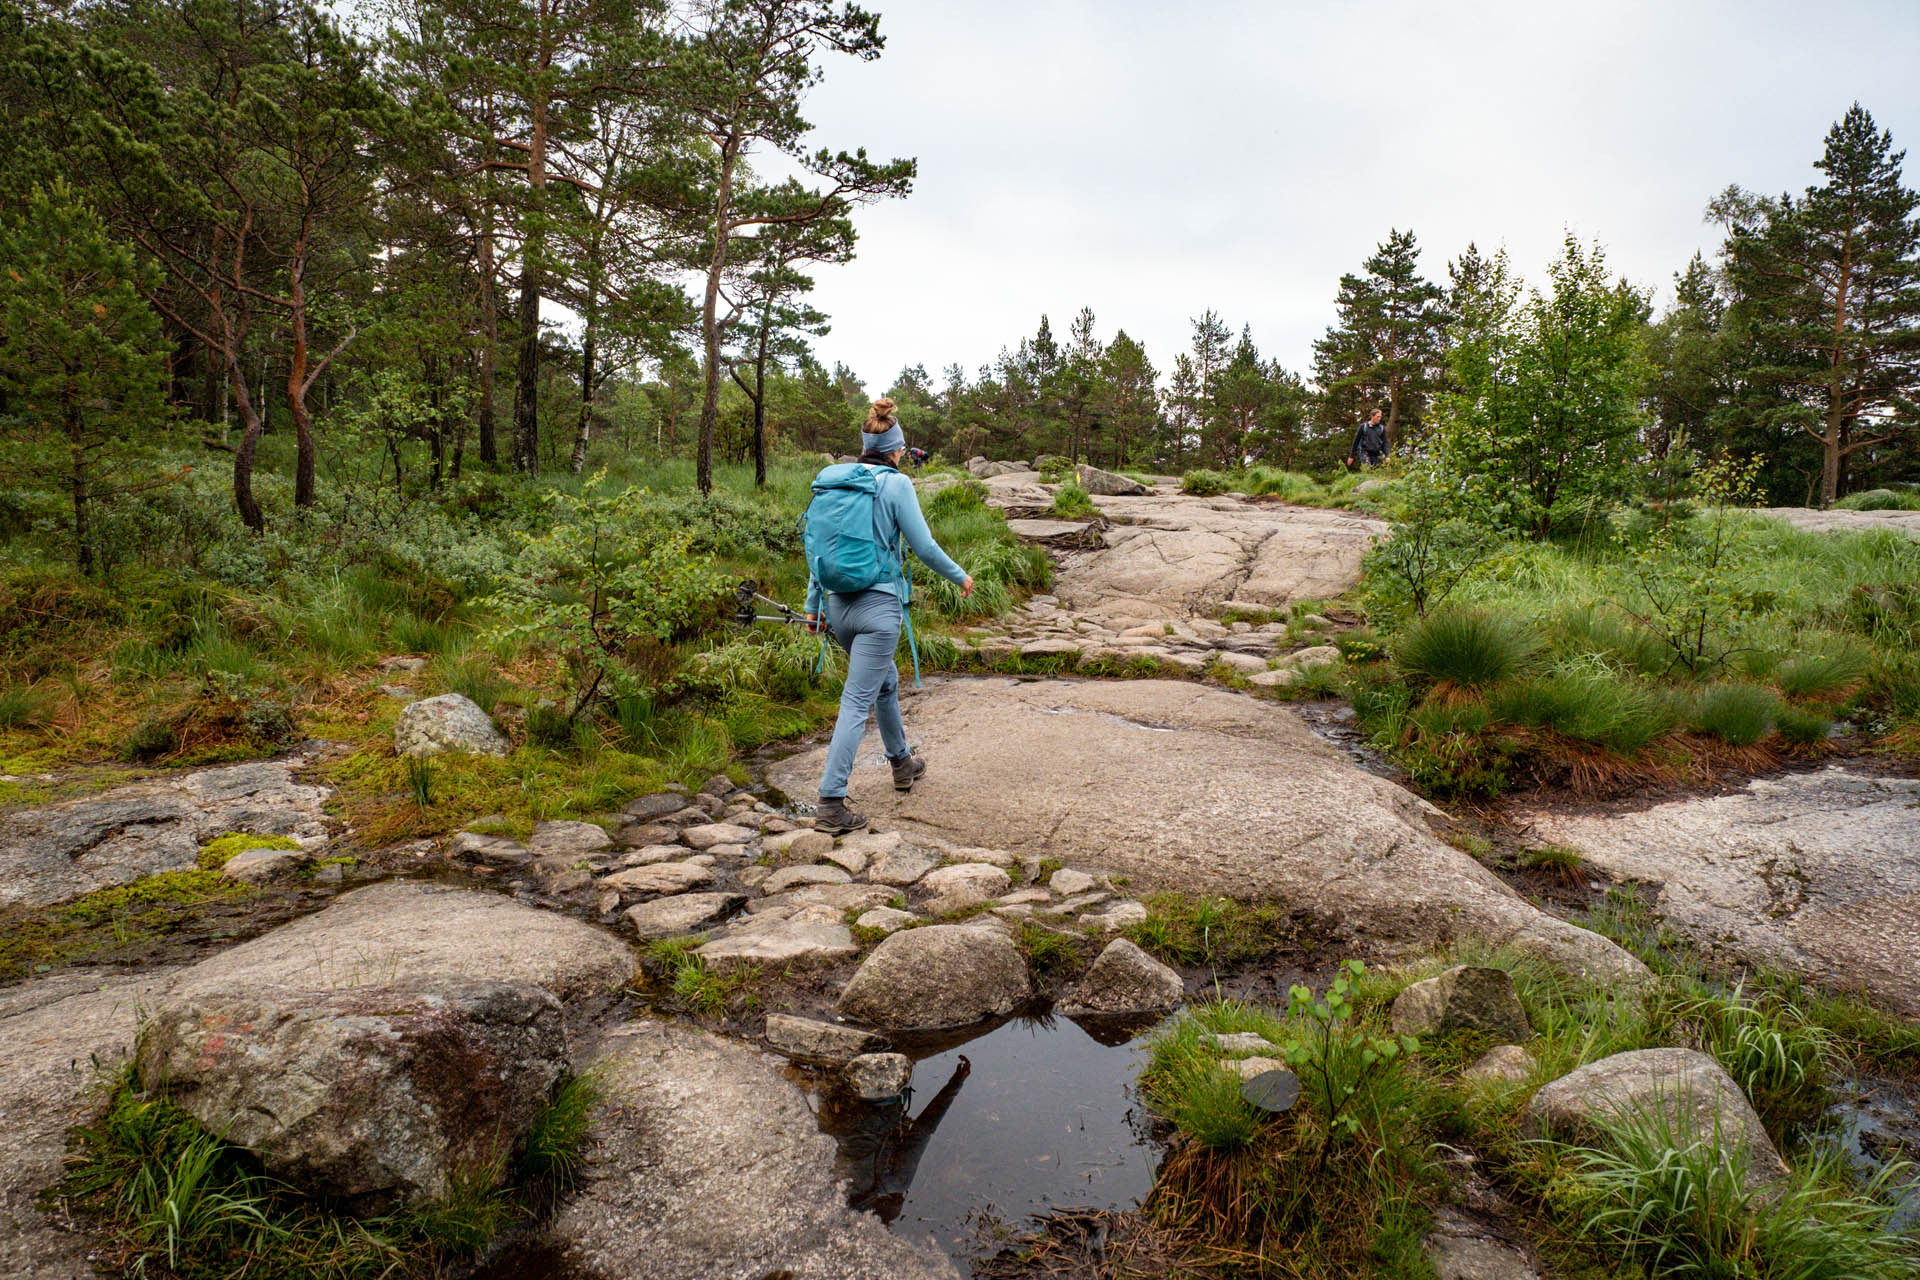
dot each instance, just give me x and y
(1046, 1116)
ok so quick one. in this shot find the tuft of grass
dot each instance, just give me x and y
(1801, 726)
(23, 707)
(1775, 1054)
(1201, 483)
(1561, 859)
(1464, 648)
(1587, 702)
(171, 1196)
(1738, 714)
(420, 773)
(1217, 933)
(1049, 954)
(1680, 1207)
(1817, 675)
(556, 1145)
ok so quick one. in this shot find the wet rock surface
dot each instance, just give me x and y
(1147, 778)
(52, 853)
(1815, 872)
(388, 1091)
(705, 1163)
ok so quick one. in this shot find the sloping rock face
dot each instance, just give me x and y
(706, 1164)
(56, 852)
(1906, 522)
(1202, 790)
(1686, 1088)
(1172, 557)
(1814, 872)
(52, 1033)
(405, 930)
(388, 1091)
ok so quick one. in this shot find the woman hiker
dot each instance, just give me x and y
(866, 623)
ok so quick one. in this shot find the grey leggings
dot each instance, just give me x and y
(867, 626)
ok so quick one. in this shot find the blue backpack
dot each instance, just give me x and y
(844, 548)
(844, 551)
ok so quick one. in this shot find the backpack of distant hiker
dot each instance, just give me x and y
(841, 530)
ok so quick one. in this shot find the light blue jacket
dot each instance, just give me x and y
(896, 511)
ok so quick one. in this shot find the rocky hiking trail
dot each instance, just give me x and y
(1052, 806)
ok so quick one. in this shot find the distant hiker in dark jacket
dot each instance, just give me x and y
(1369, 443)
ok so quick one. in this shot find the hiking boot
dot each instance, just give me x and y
(832, 817)
(906, 771)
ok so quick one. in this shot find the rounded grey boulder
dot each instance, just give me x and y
(450, 722)
(937, 976)
(879, 1077)
(1464, 998)
(1683, 1090)
(1124, 979)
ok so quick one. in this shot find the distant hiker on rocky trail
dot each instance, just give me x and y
(1369, 443)
(858, 590)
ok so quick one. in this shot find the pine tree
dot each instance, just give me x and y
(1125, 400)
(1827, 288)
(1388, 346)
(81, 359)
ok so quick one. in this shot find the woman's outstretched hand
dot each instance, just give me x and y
(966, 588)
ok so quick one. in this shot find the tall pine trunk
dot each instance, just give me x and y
(526, 382)
(583, 428)
(709, 317)
(304, 461)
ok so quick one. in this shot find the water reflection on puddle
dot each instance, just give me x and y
(1046, 1117)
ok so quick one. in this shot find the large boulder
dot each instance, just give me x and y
(1681, 1088)
(1816, 872)
(1123, 980)
(52, 853)
(963, 885)
(1202, 791)
(1464, 998)
(1106, 484)
(937, 976)
(450, 722)
(709, 1165)
(392, 1091)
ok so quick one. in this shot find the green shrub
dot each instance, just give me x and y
(1463, 648)
(1587, 702)
(1811, 675)
(955, 499)
(1205, 484)
(1737, 714)
(1070, 502)
(1906, 499)
(22, 707)
(1801, 726)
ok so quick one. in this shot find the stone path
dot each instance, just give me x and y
(758, 888)
(1817, 873)
(1151, 575)
(1203, 790)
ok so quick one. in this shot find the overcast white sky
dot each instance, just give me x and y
(1151, 160)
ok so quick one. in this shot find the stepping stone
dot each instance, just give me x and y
(1066, 882)
(901, 867)
(711, 834)
(648, 855)
(551, 838)
(886, 919)
(852, 860)
(1245, 663)
(662, 877)
(781, 942)
(1121, 915)
(813, 1041)
(688, 913)
(801, 846)
(793, 877)
(491, 851)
